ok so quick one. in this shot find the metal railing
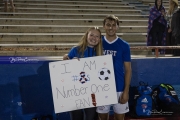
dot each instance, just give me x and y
(60, 47)
(154, 47)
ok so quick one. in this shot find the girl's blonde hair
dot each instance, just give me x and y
(172, 7)
(83, 43)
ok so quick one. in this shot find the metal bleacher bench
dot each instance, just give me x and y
(61, 2)
(82, 19)
(164, 1)
(65, 34)
(72, 14)
(72, 34)
(57, 44)
(72, 2)
(66, 0)
(75, 26)
(77, 9)
(41, 4)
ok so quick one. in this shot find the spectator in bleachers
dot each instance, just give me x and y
(173, 7)
(90, 45)
(156, 35)
(6, 5)
(175, 27)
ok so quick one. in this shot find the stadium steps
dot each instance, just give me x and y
(32, 24)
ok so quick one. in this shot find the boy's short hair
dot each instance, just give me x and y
(111, 18)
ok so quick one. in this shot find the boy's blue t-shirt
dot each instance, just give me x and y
(120, 51)
(89, 52)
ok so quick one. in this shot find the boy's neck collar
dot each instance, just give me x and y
(110, 39)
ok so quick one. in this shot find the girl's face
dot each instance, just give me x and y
(93, 38)
(158, 2)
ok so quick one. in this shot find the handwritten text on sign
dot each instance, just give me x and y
(81, 84)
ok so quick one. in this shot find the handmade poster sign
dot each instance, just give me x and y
(84, 83)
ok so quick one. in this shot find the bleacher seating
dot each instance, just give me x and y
(64, 22)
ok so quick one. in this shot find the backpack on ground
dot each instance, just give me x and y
(167, 99)
(144, 103)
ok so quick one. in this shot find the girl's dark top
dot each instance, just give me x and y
(175, 24)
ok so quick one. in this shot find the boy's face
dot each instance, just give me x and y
(111, 28)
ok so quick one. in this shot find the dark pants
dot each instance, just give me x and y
(85, 114)
(169, 42)
(157, 36)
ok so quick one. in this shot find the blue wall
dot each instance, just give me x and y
(25, 88)
(155, 71)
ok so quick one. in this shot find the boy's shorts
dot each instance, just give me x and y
(118, 108)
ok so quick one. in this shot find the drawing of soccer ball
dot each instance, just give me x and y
(104, 74)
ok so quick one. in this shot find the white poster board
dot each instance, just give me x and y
(86, 83)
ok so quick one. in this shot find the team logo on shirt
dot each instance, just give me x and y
(110, 52)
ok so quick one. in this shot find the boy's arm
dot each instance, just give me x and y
(127, 66)
(125, 94)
